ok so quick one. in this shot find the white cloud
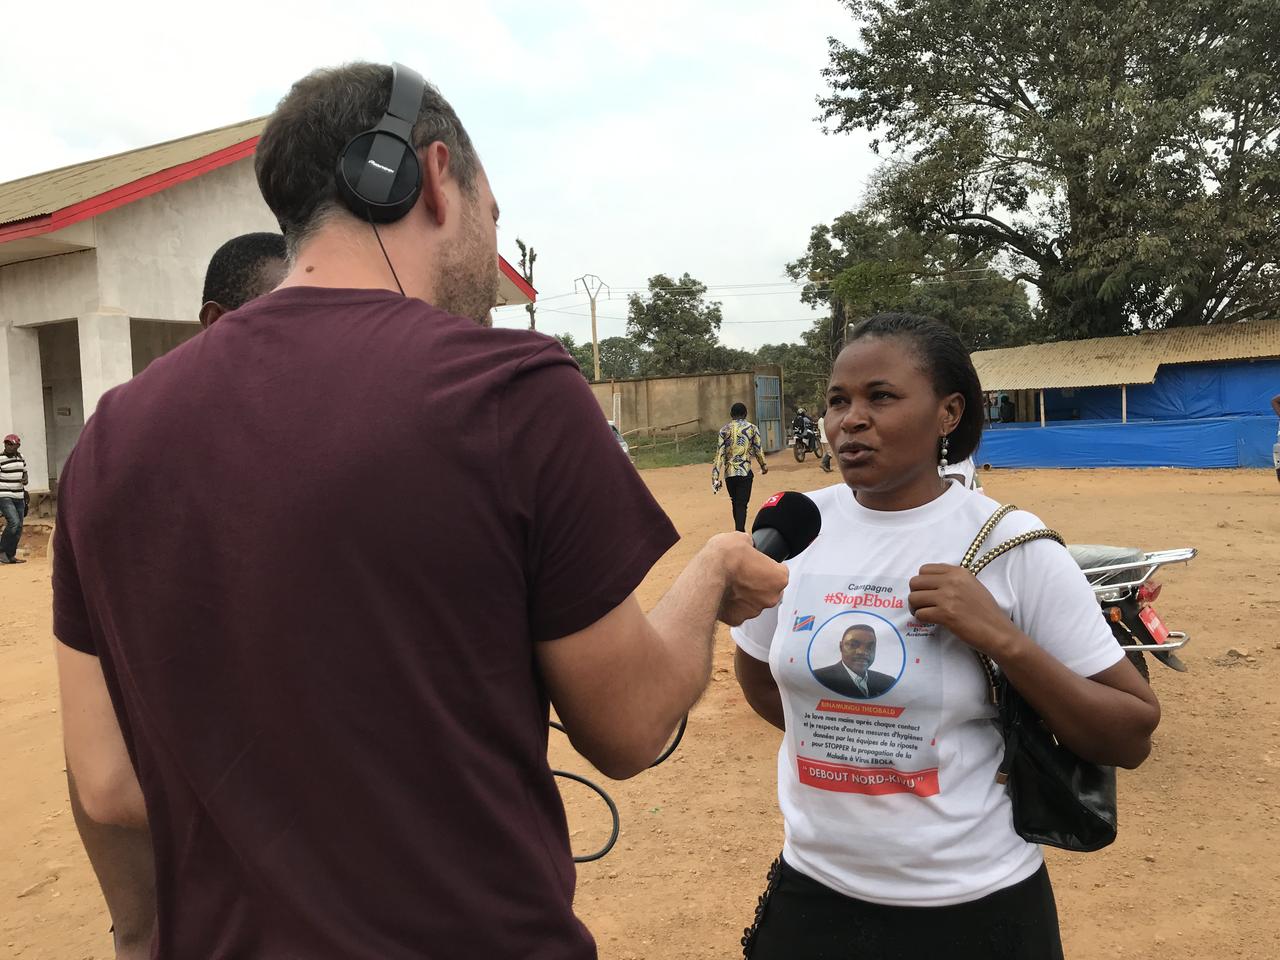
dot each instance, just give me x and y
(622, 139)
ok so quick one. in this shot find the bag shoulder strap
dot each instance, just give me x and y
(975, 565)
(985, 532)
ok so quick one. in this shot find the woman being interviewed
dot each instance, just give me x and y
(899, 841)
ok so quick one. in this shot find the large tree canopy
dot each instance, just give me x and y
(860, 265)
(1124, 153)
(676, 325)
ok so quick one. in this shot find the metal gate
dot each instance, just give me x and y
(769, 412)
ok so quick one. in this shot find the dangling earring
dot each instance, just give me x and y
(943, 459)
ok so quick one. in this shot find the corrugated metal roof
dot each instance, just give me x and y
(1111, 361)
(46, 193)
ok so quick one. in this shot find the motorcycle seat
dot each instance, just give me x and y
(1090, 555)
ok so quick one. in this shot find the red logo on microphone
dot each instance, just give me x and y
(772, 501)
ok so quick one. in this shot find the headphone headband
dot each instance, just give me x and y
(379, 176)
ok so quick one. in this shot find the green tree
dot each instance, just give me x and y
(620, 358)
(1125, 154)
(581, 352)
(731, 359)
(676, 325)
(805, 370)
(859, 265)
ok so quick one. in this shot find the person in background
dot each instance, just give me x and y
(964, 473)
(13, 498)
(242, 269)
(822, 438)
(739, 443)
(1275, 450)
(801, 423)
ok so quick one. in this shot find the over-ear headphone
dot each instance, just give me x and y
(379, 175)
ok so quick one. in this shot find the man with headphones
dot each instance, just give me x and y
(242, 269)
(338, 716)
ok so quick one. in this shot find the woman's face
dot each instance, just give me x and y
(884, 421)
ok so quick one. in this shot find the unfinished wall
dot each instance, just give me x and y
(153, 253)
(152, 339)
(53, 288)
(661, 402)
(61, 386)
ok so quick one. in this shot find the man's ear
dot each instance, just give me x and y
(210, 312)
(435, 173)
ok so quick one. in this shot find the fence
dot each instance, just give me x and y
(674, 428)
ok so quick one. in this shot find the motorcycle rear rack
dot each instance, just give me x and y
(1177, 640)
(1142, 569)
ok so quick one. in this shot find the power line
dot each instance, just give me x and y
(949, 276)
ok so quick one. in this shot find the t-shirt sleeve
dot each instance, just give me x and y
(593, 529)
(1056, 608)
(70, 614)
(755, 637)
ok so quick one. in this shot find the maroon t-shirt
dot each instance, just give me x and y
(314, 548)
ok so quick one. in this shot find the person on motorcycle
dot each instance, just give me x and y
(803, 428)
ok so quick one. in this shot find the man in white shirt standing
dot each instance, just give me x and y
(13, 498)
(822, 436)
(965, 473)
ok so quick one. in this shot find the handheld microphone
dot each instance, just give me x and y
(786, 525)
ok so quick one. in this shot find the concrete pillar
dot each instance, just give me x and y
(106, 355)
(1042, 408)
(21, 400)
(1124, 403)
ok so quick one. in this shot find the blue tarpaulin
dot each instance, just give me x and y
(1240, 388)
(1205, 442)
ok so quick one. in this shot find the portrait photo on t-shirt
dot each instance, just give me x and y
(857, 655)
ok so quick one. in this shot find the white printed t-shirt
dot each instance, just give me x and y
(966, 470)
(892, 798)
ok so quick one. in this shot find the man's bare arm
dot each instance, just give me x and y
(96, 754)
(621, 685)
(124, 862)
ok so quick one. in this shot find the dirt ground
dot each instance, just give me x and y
(1195, 873)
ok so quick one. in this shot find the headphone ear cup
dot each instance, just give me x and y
(379, 176)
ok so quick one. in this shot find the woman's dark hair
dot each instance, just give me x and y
(738, 411)
(947, 363)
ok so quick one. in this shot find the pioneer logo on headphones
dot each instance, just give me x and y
(375, 163)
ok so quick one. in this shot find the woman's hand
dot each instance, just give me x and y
(954, 598)
(1107, 718)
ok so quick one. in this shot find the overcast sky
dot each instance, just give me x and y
(622, 139)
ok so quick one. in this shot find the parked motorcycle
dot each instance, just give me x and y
(804, 441)
(1123, 580)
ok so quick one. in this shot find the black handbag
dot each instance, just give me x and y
(1058, 799)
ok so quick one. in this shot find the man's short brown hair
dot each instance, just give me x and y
(297, 154)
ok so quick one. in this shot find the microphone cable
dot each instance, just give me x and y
(616, 820)
(378, 237)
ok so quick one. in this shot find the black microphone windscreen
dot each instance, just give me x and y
(793, 517)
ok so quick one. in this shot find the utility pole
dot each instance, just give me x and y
(592, 285)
